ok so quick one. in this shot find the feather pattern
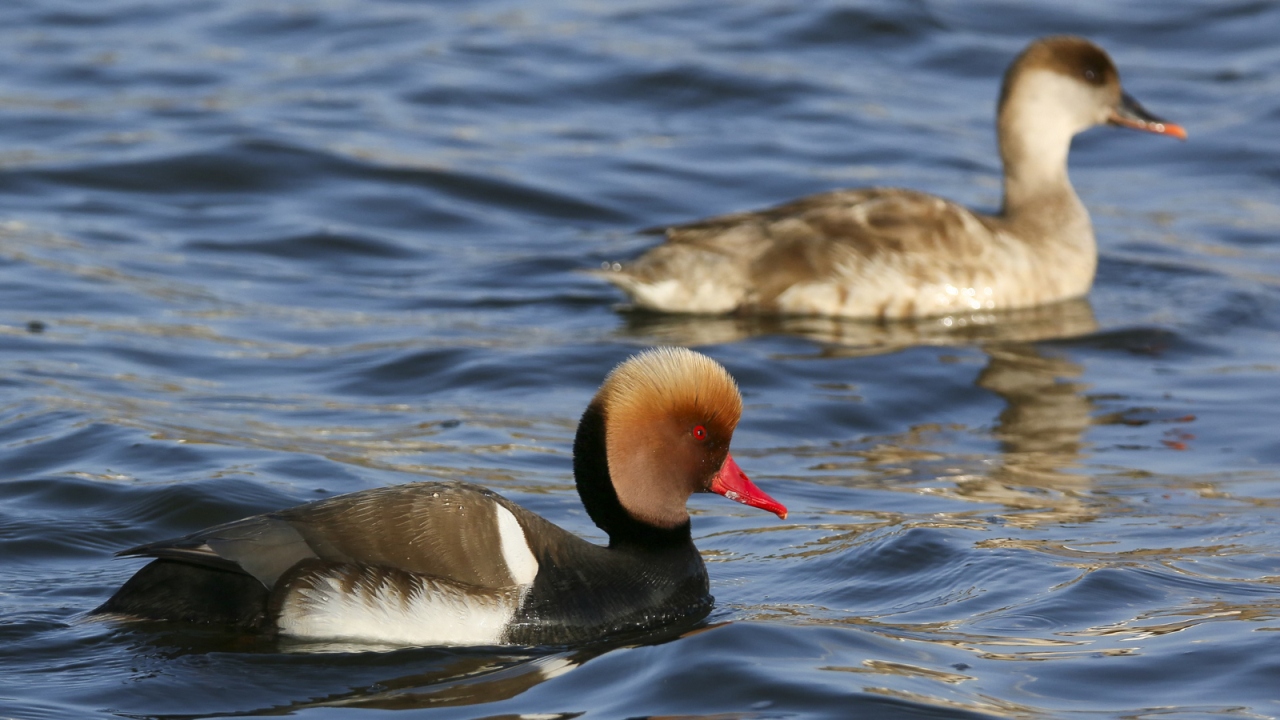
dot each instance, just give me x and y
(889, 253)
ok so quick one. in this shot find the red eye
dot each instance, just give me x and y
(699, 433)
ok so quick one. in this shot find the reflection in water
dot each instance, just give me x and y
(853, 337)
(1040, 431)
(1142, 627)
(470, 680)
(452, 677)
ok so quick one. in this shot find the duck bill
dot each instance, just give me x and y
(1130, 113)
(734, 484)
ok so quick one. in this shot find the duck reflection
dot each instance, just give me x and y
(464, 681)
(441, 677)
(843, 337)
(1041, 434)
(1040, 431)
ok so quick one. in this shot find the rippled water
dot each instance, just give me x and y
(252, 254)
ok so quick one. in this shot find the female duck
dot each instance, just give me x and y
(891, 253)
(442, 563)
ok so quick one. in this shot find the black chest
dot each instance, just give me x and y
(585, 594)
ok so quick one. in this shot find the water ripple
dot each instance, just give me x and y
(252, 256)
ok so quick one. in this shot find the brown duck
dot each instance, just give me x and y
(892, 253)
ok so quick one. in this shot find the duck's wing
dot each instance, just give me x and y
(261, 546)
(450, 531)
(750, 260)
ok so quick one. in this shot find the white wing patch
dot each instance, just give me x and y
(521, 563)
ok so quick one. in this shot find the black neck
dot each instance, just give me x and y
(595, 486)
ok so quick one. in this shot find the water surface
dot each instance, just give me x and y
(256, 254)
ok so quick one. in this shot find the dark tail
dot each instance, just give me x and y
(175, 590)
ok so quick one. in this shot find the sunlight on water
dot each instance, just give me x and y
(255, 256)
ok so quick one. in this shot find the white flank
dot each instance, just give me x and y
(521, 563)
(431, 612)
(404, 609)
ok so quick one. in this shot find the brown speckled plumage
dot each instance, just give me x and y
(893, 253)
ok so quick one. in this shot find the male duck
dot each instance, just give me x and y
(448, 563)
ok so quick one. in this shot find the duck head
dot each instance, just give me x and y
(1058, 87)
(657, 431)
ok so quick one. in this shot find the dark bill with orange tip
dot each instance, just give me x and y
(1130, 113)
(734, 484)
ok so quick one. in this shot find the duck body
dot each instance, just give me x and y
(864, 253)
(464, 567)
(890, 253)
(448, 563)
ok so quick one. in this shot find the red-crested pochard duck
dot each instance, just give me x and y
(893, 253)
(448, 563)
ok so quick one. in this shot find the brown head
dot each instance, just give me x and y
(1057, 87)
(657, 431)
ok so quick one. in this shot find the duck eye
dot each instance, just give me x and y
(1090, 75)
(699, 433)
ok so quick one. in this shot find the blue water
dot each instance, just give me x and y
(254, 254)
